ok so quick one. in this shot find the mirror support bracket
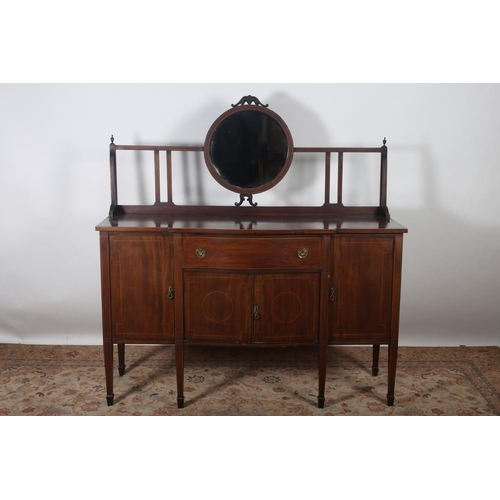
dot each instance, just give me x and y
(249, 198)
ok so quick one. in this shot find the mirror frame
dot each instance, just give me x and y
(213, 170)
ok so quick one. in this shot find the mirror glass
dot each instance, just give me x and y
(249, 149)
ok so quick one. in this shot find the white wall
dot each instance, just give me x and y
(444, 176)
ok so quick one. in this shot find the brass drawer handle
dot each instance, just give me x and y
(302, 253)
(201, 253)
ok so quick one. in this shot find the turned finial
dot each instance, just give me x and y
(384, 141)
(112, 139)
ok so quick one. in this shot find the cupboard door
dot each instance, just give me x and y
(362, 282)
(217, 306)
(286, 307)
(140, 276)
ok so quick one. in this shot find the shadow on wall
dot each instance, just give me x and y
(450, 280)
(193, 184)
(299, 187)
(450, 284)
(141, 182)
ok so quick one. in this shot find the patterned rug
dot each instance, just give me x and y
(69, 380)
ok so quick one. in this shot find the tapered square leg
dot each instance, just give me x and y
(121, 359)
(393, 359)
(179, 365)
(108, 370)
(323, 349)
(376, 355)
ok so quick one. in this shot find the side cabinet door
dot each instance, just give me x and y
(362, 289)
(217, 306)
(141, 273)
(286, 307)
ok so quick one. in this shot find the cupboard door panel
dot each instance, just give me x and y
(362, 277)
(141, 272)
(288, 307)
(217, 306)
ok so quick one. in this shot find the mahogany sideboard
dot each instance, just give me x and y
(248, 275)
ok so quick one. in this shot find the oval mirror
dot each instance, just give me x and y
(248, 149)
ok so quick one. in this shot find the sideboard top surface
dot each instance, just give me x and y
(251, 225)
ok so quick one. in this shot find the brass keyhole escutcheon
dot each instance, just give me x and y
(302, 253)
(170, 292)
(201, 253)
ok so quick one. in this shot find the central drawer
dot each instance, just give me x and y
(251, 253)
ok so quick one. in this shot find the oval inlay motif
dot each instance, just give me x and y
(217, 307)
(286, 307)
